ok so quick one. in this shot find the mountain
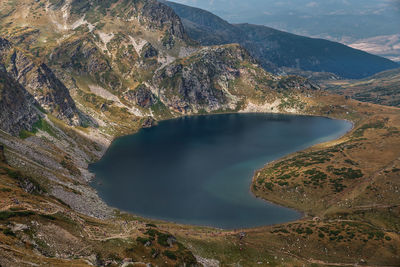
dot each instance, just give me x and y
(325, 19)
(113, 59)
(75, 75)
(382, 88)
(275, 49)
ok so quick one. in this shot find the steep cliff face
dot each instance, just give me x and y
(40, 82)
(17, 110)
(163, 16)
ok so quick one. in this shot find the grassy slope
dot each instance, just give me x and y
(382, 88)
(350, 211)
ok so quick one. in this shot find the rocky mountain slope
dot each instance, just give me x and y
(275, 49)
(39, 81)
(114, 58)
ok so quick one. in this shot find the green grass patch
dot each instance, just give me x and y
(373, 125)
(7, 214)
(42, 125)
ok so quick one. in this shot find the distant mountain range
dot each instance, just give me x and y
(275, 49)
(335, 20)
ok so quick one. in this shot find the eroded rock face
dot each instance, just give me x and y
(141, 96)
(149, 51)
(162, 16)
(148, 122)
(40, 82)
(17, 110)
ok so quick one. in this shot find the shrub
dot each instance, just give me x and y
(142, 240)
(4, 215)
(170, 254)
(8, 232)
(269, 186)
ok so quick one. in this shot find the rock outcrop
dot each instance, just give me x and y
(141, 96)
(40, 82)
(17, 110)
(163, 17)
(194, 83)
(149, 51)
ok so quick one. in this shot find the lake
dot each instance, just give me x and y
(198, 170)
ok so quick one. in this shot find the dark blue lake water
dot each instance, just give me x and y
(198, 170)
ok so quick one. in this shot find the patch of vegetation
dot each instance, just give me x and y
(25, 134)
(8, 231)
(316, 176)
(346, 173)
(25, 181)
(144, 240)
(170, 254)
(283, 183)
(48, 216)
(70, 166)
(373, 125)
(4, 215)
(269, 186)
(162, 238)
(42, 125)
(337, 184)
(5, 190)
